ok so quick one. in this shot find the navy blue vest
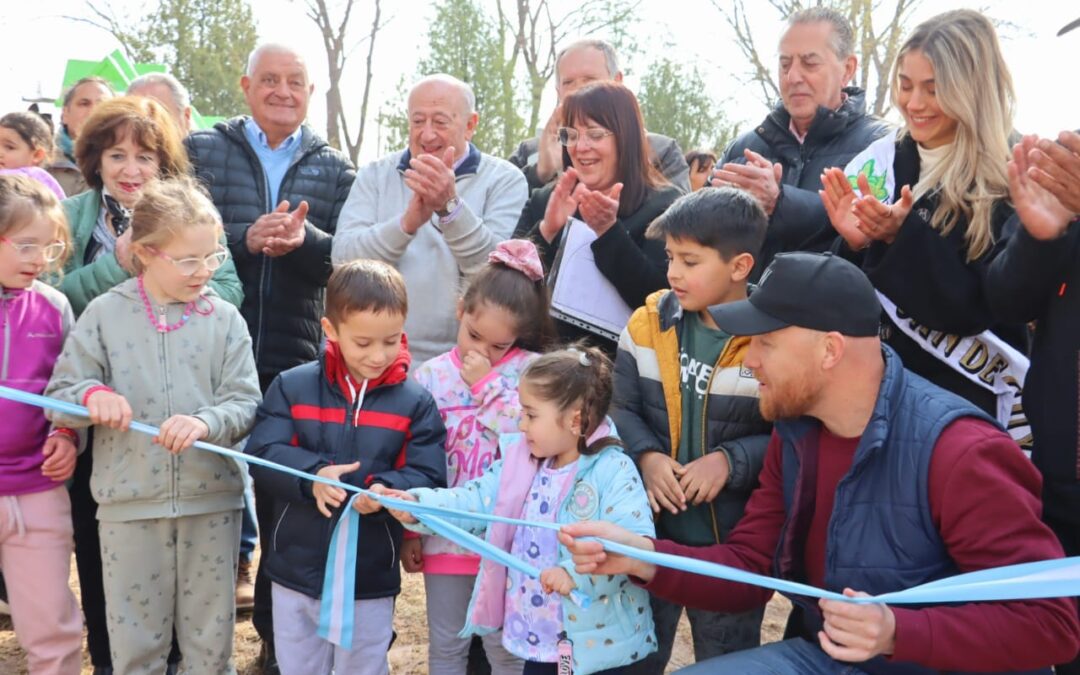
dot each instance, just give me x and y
(881, 536)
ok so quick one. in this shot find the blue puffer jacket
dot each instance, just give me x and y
(616, 629)
(283, 296)
(316, 414)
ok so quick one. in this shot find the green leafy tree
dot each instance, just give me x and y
(468, 44)
(675, 101)
(204, 43)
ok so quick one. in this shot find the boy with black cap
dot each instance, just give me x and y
(685, 406)
(875, 480)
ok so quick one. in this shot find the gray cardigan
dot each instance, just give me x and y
(436, 259)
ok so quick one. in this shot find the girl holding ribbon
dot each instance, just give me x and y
(164, 347)
(564, 466)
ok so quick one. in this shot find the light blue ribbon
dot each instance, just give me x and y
(1026, 581)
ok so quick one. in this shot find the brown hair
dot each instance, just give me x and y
(365, 286)
(701, 158)
(150, 126)
(167, 206)
(31, 128)
(576, 377)
(614, 107)
(23, 199)
(501, 286)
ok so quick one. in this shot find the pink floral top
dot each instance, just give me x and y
(474, 418)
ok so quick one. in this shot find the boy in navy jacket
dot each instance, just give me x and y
(353, 416)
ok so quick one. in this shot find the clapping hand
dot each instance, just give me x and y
(1041, 212)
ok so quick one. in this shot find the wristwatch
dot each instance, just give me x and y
(449, 206)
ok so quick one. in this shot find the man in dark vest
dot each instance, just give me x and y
(875, 480)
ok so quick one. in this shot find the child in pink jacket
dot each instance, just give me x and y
(504, 322)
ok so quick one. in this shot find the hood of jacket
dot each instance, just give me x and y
(337, 372)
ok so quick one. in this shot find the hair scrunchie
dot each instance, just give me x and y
(520, 255)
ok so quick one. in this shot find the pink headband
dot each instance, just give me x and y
(520, 255)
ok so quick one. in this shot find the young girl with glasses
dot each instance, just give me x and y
(163, 348)
(35, 512)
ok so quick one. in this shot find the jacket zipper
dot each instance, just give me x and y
(705, 437)
(393, 549)
(7, 341)
(281, 519)
(265, 265)
(163, 359)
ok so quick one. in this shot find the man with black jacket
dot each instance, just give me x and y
(279, 188)
(1037, 278)
(820, 123)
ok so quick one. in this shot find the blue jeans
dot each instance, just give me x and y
(790, 657)
(249, 533)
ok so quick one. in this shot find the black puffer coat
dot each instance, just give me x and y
(799, 221)
(283, 297)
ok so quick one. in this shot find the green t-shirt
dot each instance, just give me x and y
(700, 348)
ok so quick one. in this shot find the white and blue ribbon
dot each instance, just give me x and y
(1026, 581)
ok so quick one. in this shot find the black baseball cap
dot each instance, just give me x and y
(819, 291)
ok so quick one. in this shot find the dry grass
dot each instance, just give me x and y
(408, 655)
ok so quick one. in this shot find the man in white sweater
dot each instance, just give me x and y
(434, 210)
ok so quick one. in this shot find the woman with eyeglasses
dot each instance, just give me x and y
(125, 144)
(610, 185)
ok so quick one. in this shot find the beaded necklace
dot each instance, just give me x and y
(159, 323)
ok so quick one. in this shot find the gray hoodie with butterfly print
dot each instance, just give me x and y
(204, 369)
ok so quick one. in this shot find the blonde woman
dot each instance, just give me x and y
(930, 204)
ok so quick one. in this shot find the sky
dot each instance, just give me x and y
(40, 37)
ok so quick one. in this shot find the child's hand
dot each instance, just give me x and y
(412, 555)
(661, 474)
(403, 517)
(109, 409)
(705, 477)
(474, 367)
(60, 453)
(179, 432)
(328, 496)
(557, 580)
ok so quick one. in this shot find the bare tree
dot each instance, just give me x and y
(876, 46)
(538, 29)
(335, 38)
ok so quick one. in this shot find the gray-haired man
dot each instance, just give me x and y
(578, 64)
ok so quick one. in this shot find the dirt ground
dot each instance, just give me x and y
(408, 655)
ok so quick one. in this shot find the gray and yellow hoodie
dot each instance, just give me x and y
(648, 410)
(204, 369)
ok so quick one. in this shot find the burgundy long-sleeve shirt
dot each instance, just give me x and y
(984, 501)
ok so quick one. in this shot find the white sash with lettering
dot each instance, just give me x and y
(984, 359)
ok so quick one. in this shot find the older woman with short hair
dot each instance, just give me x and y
(126, 143)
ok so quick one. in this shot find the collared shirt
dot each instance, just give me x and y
(275, 161)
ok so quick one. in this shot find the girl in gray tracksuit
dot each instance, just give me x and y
(181, 358)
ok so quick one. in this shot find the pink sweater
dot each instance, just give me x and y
(474, 418)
